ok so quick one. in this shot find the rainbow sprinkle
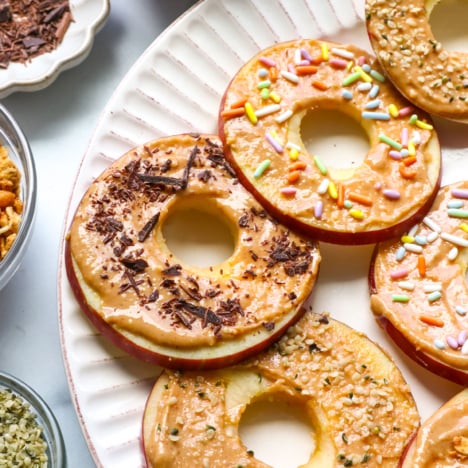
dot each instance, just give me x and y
(263, 166)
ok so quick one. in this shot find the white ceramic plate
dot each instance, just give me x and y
(89, 16)
(176, 87)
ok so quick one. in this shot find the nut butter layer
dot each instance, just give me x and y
(137, 292)
(418, 287)
(442, 440)
(360, 409)
(260, 125)
(433, 78)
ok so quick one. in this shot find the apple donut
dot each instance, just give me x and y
(431, 77)
(152, 304)
(359, 405)
(442, 440)
(260, 119)
(418, 287)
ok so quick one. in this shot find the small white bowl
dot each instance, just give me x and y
(19, 151)
(88, 17)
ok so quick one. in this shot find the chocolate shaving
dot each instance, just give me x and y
(163, 181)
(189, 165)
(244, 220)
(231, 307)
(207, 315)
(253, 255)
(167, 283)
(5, 12)
(173, 270)
(216, 156)
(204, 176)
(192, 293)
(298, 268)
(55, 13)
(126, 240)
(138, 265)
(105, 225)
(153, 297)
(270, 326)
(186, 321)
(148, 227)
(131, 283)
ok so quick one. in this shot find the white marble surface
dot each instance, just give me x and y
(59, 122)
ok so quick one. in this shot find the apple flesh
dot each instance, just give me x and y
(442, 440)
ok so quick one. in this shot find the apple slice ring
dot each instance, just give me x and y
(357, 401)
(260, 125)
(442, 440)
(418, 288)
(149, 302)
(430, 76)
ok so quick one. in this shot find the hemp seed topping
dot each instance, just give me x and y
(21, 436)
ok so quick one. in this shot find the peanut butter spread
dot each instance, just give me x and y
(442, 441)
(433, 78)
(420, 286)
(135, 282)
(262, 113)
(360, 408)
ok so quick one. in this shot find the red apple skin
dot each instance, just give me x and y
(334, 237)
(436, 367)
(159, 359)
(407, 449)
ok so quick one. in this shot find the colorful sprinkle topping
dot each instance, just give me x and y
(419, 238)
(360, 82)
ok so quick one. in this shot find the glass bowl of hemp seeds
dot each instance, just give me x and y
(29, 432)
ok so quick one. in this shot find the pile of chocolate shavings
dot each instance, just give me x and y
(29, 28)
(295, 260)
(215, 155)
(185, 307)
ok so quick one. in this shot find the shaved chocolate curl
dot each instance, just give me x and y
(148, 227)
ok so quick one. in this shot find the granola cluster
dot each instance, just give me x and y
(10, 204)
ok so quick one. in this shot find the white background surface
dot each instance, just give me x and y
(59, 122)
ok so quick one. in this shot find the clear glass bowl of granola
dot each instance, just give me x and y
(29, 432)
(18, 187)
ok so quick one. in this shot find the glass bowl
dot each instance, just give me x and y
(44, 417)
(19, 151)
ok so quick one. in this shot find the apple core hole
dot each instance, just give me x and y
(448, 23)
(198, 237)
(278, 433)
(338, 139)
